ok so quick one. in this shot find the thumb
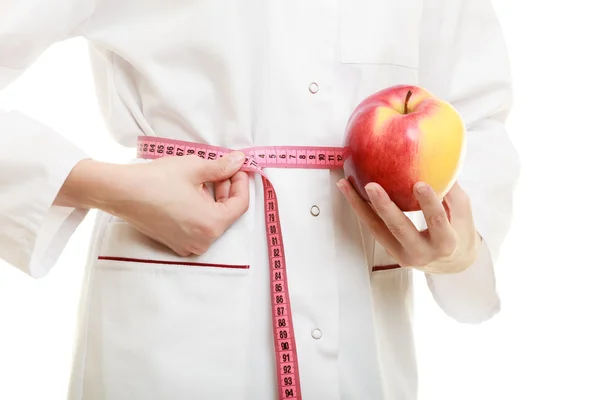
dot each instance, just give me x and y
(223, 168)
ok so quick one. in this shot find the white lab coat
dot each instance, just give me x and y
(237, 74)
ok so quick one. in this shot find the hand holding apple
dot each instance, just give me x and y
(402, 135)
(450, 243)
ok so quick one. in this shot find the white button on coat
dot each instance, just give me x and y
(316, 334)
(230, 76)
(315, 211)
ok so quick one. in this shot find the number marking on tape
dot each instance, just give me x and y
(258, 158)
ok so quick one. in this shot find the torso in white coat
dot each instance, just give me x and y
(240, 74)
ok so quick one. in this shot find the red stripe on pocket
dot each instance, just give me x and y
(385, 267)
(185, 263)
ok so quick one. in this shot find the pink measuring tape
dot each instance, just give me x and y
(258, 158)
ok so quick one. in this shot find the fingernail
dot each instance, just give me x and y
(341, 185)
(422, 188)
(372, 191)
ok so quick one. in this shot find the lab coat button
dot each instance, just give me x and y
(316, 334)
(314, 210)
(313, 88)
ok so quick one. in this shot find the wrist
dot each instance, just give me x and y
(467, 257)
(460, 261)
(93, 185)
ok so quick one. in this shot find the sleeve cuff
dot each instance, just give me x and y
(469, 296)
(34, 232)
(54, 233)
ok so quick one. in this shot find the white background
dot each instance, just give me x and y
(543, 345)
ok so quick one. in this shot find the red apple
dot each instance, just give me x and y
(400, 136)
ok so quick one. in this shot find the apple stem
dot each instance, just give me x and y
(406, 101)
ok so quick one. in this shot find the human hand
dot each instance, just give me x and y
(166, 199)
(448, 245)
(169, 201)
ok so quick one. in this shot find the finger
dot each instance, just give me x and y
(222, 189)
(239, 197)
(442, 236)
(397, 222)
(221, 169)
(368, 216)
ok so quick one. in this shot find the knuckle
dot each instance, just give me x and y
(385, 209)
(214, 231)
(437, 219)
(398, 230)
(182, 252)
(198, 250)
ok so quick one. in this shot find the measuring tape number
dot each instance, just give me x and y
(258, 158)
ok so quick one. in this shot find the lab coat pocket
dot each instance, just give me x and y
(380, 32)
(167, 327)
